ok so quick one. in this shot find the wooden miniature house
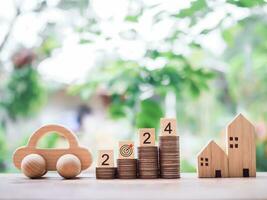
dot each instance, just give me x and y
(241, 149)
(212, 162)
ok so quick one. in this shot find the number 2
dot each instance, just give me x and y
(148, 137)
(168, 128)
(106, 159)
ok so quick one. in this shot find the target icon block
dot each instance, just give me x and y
(126, 150)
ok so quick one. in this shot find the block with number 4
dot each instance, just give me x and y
(105, 158)
(147, 137)
(168, 127)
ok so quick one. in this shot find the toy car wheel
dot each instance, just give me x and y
(33, 166)
(69, 166)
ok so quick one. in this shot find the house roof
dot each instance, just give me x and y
(240, 119)
(211, 144)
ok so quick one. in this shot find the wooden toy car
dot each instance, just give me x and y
(35, 162)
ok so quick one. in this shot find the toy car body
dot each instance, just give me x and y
(51, 156)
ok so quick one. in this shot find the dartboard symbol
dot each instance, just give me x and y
(126, 150)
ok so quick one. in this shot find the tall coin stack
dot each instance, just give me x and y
(126, 164)
(147, 154)
(106, 169)
(148, 162)
(169, 153)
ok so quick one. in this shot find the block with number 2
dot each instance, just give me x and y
(105, 158)
(168, 127)
(147, 137)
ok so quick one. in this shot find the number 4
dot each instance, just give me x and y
(168, 126)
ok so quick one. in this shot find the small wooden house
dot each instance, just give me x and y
(241, 149)
(212, 162)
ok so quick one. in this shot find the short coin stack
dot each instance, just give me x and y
(106, 169)
(148, 162)
(169, 156)
(106, 173)
(127, 168)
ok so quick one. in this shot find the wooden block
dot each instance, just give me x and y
(52, 156)
(212, 162)
(147, 137)
(126, 150)
(241, 148)
(168, 126)
(105, 158)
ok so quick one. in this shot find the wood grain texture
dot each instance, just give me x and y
(52, 155)
(146, 137)
(69, 166)
(219, 160)
(33, 166)
(87, 187)
(203, 170)
(241, 148)
(211, 159)
(168, 126)
(126, 150)
(105, 158)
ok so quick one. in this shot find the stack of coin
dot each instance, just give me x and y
(169, 156)
(106, 172)
(148, 162)
(127, 168)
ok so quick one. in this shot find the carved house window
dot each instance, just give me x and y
(204, 161)
(233, 142)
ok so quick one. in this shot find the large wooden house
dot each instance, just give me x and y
(212, 162)
(241, 149)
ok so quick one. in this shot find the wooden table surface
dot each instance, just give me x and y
(16, 186)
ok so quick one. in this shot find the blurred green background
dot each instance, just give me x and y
(106, 68)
